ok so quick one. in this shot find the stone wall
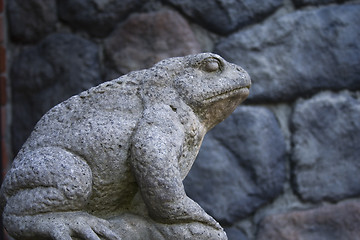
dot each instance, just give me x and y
(286, 164)
(4, 103)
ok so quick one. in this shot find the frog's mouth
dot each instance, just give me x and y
(240, 91)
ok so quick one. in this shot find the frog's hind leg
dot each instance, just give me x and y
(49, 179)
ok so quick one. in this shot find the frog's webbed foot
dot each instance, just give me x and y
(135, 227)
(186, 211)
(65, 225)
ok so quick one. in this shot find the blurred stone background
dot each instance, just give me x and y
(286, 164)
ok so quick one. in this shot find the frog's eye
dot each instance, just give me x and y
(211, 65)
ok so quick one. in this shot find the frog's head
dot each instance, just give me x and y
(211, 86)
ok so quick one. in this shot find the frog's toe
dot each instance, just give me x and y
(91, 228)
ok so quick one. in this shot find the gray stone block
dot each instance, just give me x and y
(241, 165)
(299, 53)
(329, 222)
(43, 75)
(326, 140)
(31, 20)
(226, 16)
(97, 17)
(235, 234)
(147, 38)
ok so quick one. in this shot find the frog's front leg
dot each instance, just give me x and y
(45, 191)
(157, 146)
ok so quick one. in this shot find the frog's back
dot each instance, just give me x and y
(84, 119)
(95, 125)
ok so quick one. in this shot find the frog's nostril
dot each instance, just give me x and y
(239, 69)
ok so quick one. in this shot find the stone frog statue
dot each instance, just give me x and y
(109, 163)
